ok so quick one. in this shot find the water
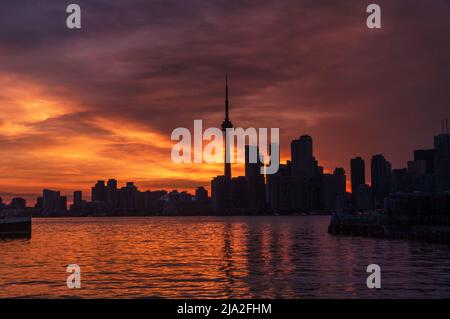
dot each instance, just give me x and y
(215, 257)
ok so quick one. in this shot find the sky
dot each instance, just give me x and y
(101, 102)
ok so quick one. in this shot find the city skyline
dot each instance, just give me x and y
(109, 95)
(301, 164)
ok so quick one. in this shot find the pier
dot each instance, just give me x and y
(377, 225)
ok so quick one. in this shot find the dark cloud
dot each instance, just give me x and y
(304, 66)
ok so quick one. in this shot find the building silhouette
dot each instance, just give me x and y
(51, 202)
(256, 190)
(226, 124)
(381, 175)
(303, 163)
(221, 185)
(358, 177)
(201, 194)
(442, 159)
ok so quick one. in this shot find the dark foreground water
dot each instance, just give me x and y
(206, 257)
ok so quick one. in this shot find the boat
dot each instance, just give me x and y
(15, 227)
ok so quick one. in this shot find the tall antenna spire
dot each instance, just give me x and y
(226, 124)
(226, 96)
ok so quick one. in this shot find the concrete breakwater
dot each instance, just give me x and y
(378, 225)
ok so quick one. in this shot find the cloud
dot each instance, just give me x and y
(79, 105)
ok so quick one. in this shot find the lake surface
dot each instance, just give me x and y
(215, 257)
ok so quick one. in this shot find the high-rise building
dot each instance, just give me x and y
(77, 205)
(221, 194)
(239, 193)
(428, 157)
(63, 203)
(111, 193)
(255, 180)
(442, 142)
(39, 203)
(341, 188)
(442, 160)
(99, 192)
(358, 172)
(78, 198)
(51, 202)
(279, 189)
(201, 194)
(401, 181)
(365, 199)
(333, 191)
(304, 165)
(381, 174)
(127, 197)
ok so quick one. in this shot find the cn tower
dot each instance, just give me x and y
(225, 125)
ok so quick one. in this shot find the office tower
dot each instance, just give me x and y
(201, 194)
(428, 157)
(126, 198)
(78, 198)
(51, 202)
(77, 205)
(381, 171)
(239, 193)
(341, 188)
(221, 194)
(99, 192)
(358, 172)
(63, 203)
(401, 181)
(151, 202)
(333, 191)
(225, 125)
(129, 196)
(442, 160)
(111, 193)
(39, 203)
(185, 197)
(304, 165)
(279, 190)
(255, 180)
(442, 142)
(442, 176)
(365, 199)
(327, 192)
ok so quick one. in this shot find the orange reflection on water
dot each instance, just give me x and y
(209, 257)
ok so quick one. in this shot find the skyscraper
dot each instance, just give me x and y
(358, 177)
(255, 180)
(304, 165)
(381, 171)
(201, 194)
(77, 202)
(221, 194)
(111, 192)
(442, 159)
(78, 198)
(99, 192)
(51, 201)
(442, 142)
